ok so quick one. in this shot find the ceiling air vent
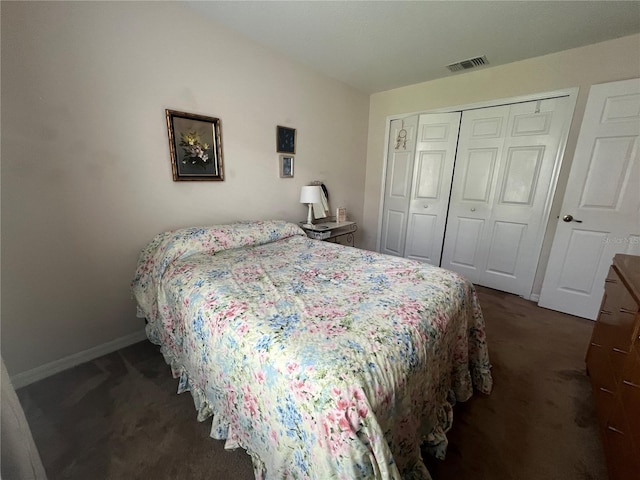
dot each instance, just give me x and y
(470, 63)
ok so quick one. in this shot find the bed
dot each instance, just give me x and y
(321, 361)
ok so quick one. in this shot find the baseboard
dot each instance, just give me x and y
(43, 371)
(534, 297)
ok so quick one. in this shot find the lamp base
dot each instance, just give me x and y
(307, 225)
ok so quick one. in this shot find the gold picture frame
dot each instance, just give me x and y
(195, 145)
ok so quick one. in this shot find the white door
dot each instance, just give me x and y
(432, 171)
(420, 162)
(600, 213)
(506, 169)
(397, 188)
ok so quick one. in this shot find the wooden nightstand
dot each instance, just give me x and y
(337, 232)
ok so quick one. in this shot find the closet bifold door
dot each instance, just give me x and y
(397, 186)
(432, 171)
(417, 185)
(505, 172)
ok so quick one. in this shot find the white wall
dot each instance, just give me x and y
(86, 176)
(581, 67)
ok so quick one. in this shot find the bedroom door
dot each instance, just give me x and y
(506, 169)
(600, 213)
(417, 185)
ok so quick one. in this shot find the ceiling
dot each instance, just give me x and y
(379, 45)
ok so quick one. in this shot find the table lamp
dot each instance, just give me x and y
(310, 194)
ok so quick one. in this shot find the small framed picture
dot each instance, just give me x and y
(286, 140)
(286, 166)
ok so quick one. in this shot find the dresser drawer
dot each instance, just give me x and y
(599, 367)
(631, 369)
(619, 311)
(606, 402)
(618, 358)
(617, 295)
(603, 334)
(630, 395)
(622, 459)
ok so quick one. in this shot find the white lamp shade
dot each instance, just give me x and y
(310, 194)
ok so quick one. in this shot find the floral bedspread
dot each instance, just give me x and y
(322, 361)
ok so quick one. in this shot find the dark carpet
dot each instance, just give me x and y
(118, 417)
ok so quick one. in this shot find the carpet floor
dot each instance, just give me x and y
(119, 417)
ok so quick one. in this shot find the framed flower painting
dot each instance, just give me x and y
(195, 143)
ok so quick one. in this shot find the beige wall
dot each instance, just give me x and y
(581, 67)
(86, 177)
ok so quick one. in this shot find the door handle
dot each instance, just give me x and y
(569, 218)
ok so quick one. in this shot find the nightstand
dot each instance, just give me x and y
(337, 232)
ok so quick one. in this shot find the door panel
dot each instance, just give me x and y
(401, 167)
(465, 249)
(420, 244)
(487, 127)
(507, 163)
(435, 128)
(435, 153)
(608, 172)
(582, 244)
(478, 176)
(430, 166)
(521, 176)
(504, 248)
(602, 192)
(393, 238)
(623, 107)
(528, 124)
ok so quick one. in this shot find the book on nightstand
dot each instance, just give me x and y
(319, 235)
(324, 230)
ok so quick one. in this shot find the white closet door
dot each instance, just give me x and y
(433, 168)
(397, 188)
(600, 213)
(506, 166)
(472, 197)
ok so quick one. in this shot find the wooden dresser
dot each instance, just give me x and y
(613, 363)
